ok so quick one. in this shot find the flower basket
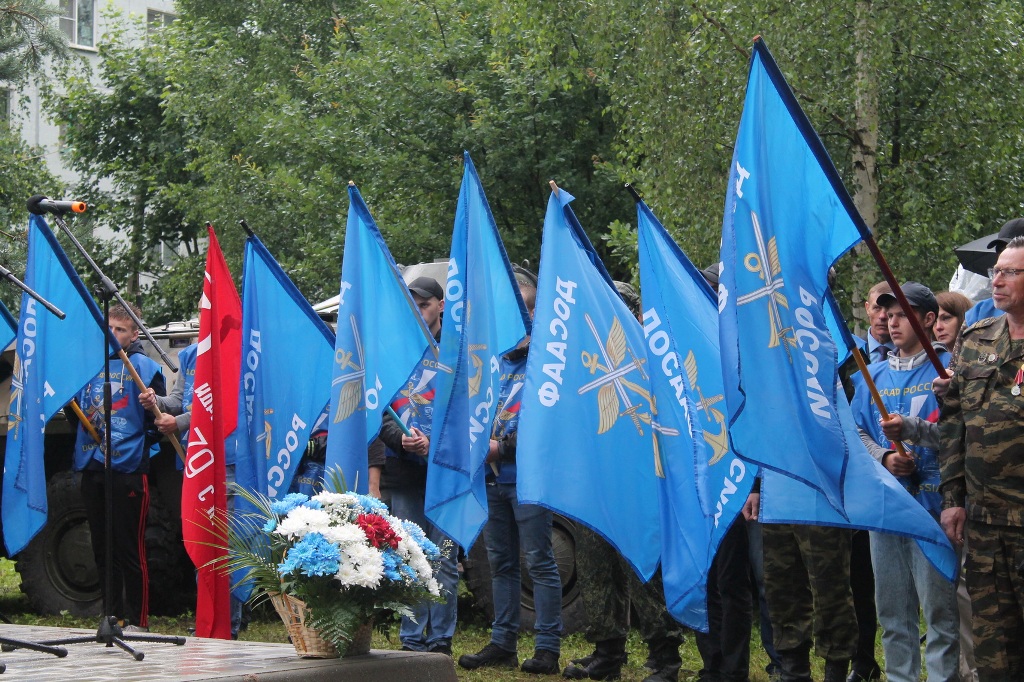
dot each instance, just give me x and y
(306, 640)
(331, 565)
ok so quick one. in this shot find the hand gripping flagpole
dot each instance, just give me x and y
(109, 632)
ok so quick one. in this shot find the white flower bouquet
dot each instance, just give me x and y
(342, 554)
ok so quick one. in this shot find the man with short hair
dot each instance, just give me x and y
(403, 481)
(982, 451)
(905, 581)
(878, 341)
(986, 307)
(132, 435)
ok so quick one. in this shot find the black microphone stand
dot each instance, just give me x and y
(109, 632)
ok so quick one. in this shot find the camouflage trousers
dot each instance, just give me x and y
(807, 587)
(609, 586)
(994, 554)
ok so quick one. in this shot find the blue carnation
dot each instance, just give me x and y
(392, 563)
(287, 503)
(313, 555)
(430, 550)
(371, 504)
(270, 525)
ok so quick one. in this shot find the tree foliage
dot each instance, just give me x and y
(264, 110)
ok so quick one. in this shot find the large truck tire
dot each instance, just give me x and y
(477, 574)
(172, 582)
(58, 571)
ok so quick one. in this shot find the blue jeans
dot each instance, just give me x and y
(904, 583)
(510, 526)
(432, 623)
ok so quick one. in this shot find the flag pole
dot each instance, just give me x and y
(175, 440)
(875, 397)
(890, 279)
(86, 424)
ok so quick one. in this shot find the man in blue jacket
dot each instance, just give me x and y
(132, 434)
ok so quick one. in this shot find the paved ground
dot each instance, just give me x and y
(207, 659)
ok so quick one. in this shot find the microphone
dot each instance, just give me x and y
(39, 205)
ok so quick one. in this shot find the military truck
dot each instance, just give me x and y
(57, 569)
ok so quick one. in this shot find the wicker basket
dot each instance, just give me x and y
(307, 641)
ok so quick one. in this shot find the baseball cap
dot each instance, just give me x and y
(1009, 230)
(427, 287)
(918, 295)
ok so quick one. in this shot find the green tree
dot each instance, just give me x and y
(117, 132)
(28, 38)
(923, 123)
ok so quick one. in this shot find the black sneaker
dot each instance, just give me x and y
(442, 648)
(491, 656)
(544, 662)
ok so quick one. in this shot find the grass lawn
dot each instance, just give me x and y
(470, 637)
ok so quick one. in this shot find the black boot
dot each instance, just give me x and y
(605, 664)
(796, 664)
(664, 659)
(835, 671)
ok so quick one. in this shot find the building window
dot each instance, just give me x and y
(156, 20)
(77, 20)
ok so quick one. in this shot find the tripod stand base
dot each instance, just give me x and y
(108, 633)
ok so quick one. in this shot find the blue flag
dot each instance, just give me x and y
(54, 359)
(585, 445)
(484, 318)
(8, 327)
(788, 218)
(380, 338)
(287, 353)
(875, 500)
(702, 484)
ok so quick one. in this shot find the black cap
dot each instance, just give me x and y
(1012, 228)
(427, 287)
(711, 274)
(918, 295)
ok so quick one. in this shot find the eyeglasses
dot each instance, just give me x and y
(1008, 273)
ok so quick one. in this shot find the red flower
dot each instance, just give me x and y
(378, 531)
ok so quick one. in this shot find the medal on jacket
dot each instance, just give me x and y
(1017, 381)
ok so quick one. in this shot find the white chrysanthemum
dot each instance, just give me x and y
(345, 535)
(302, 520)
(413, 555)
(329, 499)
(362, 554)
(361, 568)
(434, 587)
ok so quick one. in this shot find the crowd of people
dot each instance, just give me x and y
(954, 439)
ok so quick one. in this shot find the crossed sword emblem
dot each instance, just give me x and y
(615, 376)
(766, 264)
(351, 390)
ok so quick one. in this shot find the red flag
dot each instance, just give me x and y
(214, 415)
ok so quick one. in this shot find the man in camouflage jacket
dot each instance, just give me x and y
(981, 428)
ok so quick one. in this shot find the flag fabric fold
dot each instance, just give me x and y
(287, 353)
(8, 327)
(788, 218)
(214, 416)
(702, 484)
(485, 317)
(380, 338)
(585, 445)
(875, 499)
(54, 359)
